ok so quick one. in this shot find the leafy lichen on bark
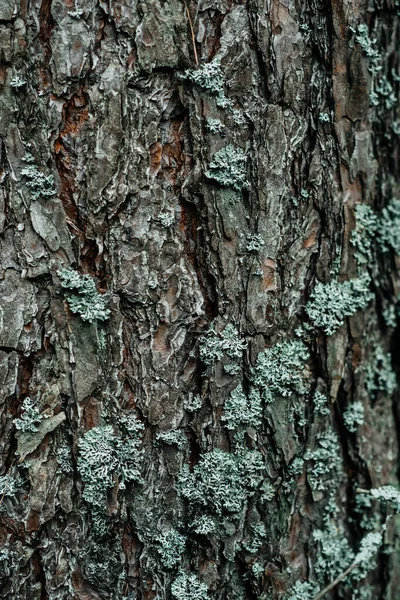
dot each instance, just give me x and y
(172, 187)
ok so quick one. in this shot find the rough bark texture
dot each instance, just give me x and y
(109, 163)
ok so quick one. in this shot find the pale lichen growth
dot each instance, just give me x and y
(104, 458)
(254, 242)
(380, 376)
(321, 404)
(221, 482)
(364, 232)
(389, 227)
(353, 416)
(326, 460)
(175, 437)
(257, 538)
(332, 302)
(369, 48)
(30, 418)
(281, 370)
(228, 168)
(193, 402)
(189, 587)
(241, 409)
(204, 525)
(208, 76)
(170, 547)
(166, 219)
(388, 494)
(383, 94)
(85, 299)
(215, 345)
(40, 185)
(215, 126)
(302, 590)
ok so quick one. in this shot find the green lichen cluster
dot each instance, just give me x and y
(353, 416)
(30, 418)
(84, 298)
(241, 409)
(170, 547)
(9, 484)
(229, 168)
(380, 376)
(257, 538)
(389, 495)
(64, 459)
(369, 48)
(40, 185)
(383, 94)
(189, 587)
(221, 481)
(192, 403)
(326, 460)
(175, 437)
(321, 404)
(17, 81)
(214, 345)
(208, 76)
(105, 457)
(281, 370)
(389, 227)
(334, 553)
(215, 126)
(203, 525)
(332, 302)
(384, 228)
(166, 219)
(254, 242)
(364, 233)
(302, 590)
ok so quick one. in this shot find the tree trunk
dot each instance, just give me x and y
(199, 279)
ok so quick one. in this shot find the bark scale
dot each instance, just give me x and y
(112, 166)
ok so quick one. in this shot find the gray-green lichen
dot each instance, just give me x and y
(241, 409)
(369, 47)
(281, 370)
(84, 298)
(229, 168)
(30, 418)
(364, 232)
(214, 345)
(221, 481)
(321, 404)
(389, 227)
(302, 590)
(39, 184)
(332, 302)
(254, 242)
(353, 416)
(170, 547)
(208, 76)
(389, 495)
(326, 460)
(105, 457)
(189, 587)
(176, 437)
(379, 374)
(215, 126)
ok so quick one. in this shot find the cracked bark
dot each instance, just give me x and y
(103, 109)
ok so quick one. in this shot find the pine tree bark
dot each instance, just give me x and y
(110, 169)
